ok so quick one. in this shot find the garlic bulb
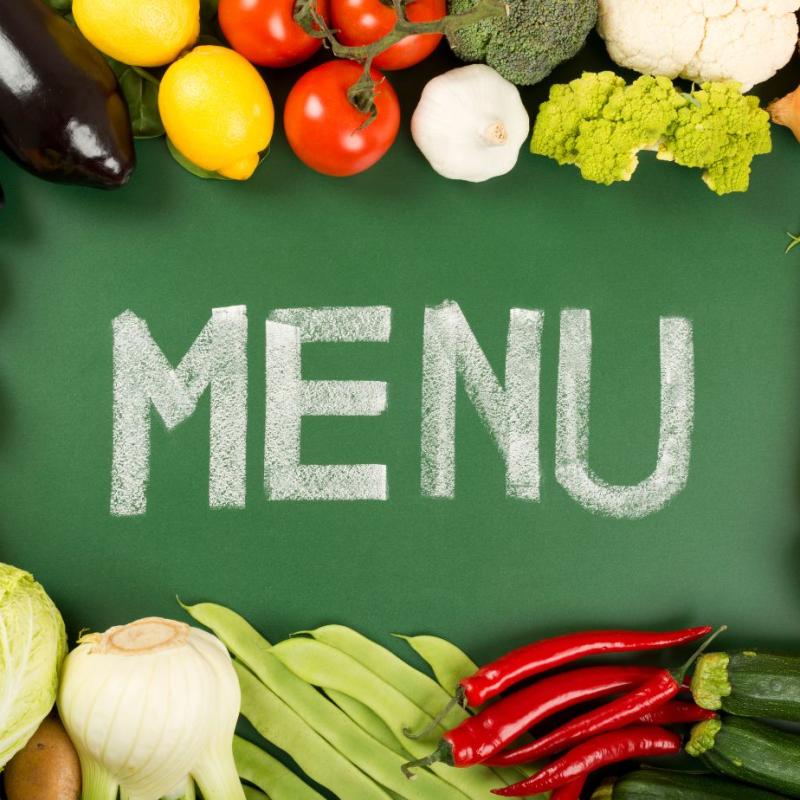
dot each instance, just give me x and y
(470, 123)
(150, 706)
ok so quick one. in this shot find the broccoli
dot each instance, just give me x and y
(525, 47)
(599, 124)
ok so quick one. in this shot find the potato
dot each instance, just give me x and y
(47, 768)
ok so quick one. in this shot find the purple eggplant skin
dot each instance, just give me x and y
(62, 116)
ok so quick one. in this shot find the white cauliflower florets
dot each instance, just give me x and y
(703, 40)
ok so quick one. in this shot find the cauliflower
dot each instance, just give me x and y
(599, 124)
(746, 41)
(526, 46)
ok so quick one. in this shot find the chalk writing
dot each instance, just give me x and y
(572, 427)
(143, 378)
(510, 414)
(145, 381)
(289, 399)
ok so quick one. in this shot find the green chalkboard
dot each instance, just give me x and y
(487, 570)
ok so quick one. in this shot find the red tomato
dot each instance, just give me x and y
(265, 32)
(325, 130)
(365, 21)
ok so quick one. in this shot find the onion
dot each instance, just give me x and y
(786, 111)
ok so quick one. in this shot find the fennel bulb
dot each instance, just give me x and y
(32, 646)
(151, 706)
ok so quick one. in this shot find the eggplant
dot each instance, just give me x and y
(62, 116)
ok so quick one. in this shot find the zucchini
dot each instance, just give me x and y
(749, 684)
(749, 751)
(657, 784)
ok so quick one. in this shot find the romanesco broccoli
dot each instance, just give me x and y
(600, 124)
(527, 45)
(720, 130)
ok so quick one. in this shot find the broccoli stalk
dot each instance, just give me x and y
(530, 41)
(600, 124)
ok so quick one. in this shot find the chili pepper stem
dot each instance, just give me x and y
(680, 673)
(458, 700)
(443, 753)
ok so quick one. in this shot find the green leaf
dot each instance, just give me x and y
(204, 173)
(209, 39)
(193, 168)
(60, 6)
(140, 89)
(208, 9)
(794, 243)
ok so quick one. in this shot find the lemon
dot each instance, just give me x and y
(217, 111)
(144, 33)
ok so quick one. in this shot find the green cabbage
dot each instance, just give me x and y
(32, 646)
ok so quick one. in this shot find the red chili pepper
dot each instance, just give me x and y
(492, 679)
(657, 690)
(569, 791)
(675, 713)
(608, 748)
(486, 734)
(623, 711)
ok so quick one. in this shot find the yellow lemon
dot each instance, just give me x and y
(217, 111)
(144, 33)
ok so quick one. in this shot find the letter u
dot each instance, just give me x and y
(572, 427)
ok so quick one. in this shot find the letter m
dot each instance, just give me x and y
(144, 379)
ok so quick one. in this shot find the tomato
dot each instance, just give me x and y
(264, 31)
(365, 21)
(325, 130)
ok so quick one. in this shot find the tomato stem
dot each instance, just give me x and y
(362, 93)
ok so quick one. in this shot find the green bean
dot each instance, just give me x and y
(325, 666)
(415, 685)
(418, 687)
(368, 720)
(236, 633)
(332, 724)
(382, 764)
(253, 794)
(279, 724)
(450, 665)
(261, 769)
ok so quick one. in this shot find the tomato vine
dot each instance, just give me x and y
(362, 92)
